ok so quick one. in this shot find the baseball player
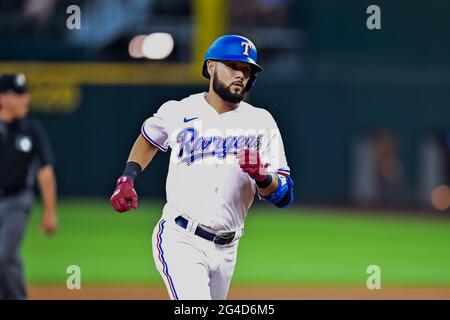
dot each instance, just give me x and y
(223, 151)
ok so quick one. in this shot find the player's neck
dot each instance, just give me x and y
(218, 103)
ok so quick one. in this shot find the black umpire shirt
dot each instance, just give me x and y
(24, 148)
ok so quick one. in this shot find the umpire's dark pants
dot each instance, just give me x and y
(14, 213)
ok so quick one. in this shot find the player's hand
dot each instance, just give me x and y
(124, 197)
(250, 162)
(49, 223)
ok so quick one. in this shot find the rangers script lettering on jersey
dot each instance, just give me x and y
(204, 180)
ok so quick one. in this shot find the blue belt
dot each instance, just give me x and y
(223, 238)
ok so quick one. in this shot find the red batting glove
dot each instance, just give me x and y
(250, 162)
(124, 197)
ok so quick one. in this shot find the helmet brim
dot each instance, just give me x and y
(255, 67)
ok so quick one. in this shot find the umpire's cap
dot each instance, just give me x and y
(13, 82)
(233, 48)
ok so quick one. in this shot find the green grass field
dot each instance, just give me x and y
(280, 247)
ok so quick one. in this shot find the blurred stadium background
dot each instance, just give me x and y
(365, 116)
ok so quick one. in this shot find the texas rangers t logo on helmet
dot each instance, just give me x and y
(247, 46)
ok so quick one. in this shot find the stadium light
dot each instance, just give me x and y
(440, 197)
(135, 46)
(157, 45)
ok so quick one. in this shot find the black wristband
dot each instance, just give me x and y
(265, 183)
(132, 170)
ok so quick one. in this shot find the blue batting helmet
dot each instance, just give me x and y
(233, 48)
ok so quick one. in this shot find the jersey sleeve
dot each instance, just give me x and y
(272, 149)
(156, 129)
(44, 151)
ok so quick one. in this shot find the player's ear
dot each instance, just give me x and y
(210, 66)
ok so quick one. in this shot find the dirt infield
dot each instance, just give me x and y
(243, 293)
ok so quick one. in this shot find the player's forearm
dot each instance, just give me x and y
(264, 192)
(47, 185)
(142, 152)
(125, 197)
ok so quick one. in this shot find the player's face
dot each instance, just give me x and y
(15, 104)
(230, 79)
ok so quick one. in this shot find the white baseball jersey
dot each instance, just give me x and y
(205, 182)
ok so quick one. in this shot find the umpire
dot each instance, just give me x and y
(24, 154)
